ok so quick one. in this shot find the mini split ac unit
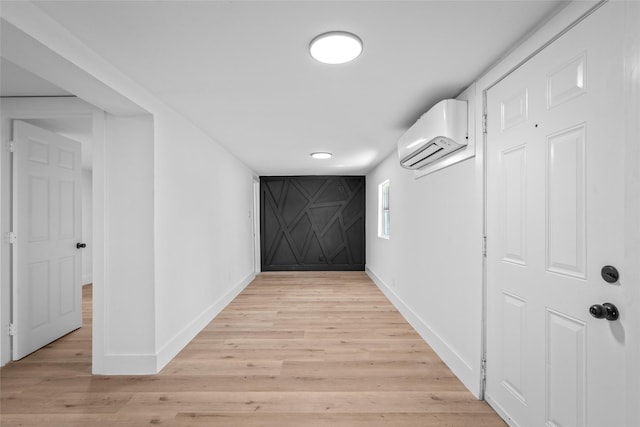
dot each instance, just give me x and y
(439, 132)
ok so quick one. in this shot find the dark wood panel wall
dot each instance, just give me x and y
(312, 223)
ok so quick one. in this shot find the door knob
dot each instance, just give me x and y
(81, 245)
(606, 310)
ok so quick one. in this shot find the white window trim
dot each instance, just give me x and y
(381, 188)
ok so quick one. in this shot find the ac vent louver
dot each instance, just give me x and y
(439, 132)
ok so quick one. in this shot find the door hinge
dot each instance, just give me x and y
(484, 246)
(12, 238)
(484, 123)
(12, 329)
(11, 146)
(483, 369)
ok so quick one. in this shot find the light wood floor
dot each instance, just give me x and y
(293, 349)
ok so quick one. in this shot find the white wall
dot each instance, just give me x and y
(204, 248)
(128, 305)
(431, 265)
(87, 225)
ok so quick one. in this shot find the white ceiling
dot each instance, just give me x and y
(16, 81)
(240, 70)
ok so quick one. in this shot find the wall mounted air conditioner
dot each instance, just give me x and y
(439, 132)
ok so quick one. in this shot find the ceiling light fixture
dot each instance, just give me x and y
(335, 47)
(321, 155)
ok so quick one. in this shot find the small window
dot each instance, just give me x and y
(383, 210)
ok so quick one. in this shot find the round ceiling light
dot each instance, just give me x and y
(335, 47)
(321, 155)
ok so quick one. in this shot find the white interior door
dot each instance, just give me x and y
(47, 221)
(555, 209)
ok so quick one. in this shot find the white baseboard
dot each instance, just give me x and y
(128, 364)
(468, 374)
(184, 337)
(87, 279)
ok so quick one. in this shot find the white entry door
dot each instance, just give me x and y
(555, 209)
(47, 221)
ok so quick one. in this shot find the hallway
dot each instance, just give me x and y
(293, 349)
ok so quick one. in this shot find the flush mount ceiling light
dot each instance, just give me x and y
(321, 155)
(335, 47)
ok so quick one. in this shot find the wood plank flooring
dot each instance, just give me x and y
(293, 349)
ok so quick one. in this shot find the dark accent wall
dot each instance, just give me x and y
(312, 223)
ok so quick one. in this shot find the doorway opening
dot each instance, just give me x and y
(72, 121)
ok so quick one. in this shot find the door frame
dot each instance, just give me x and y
(47, 108)
(255, 186)
(547, 34)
